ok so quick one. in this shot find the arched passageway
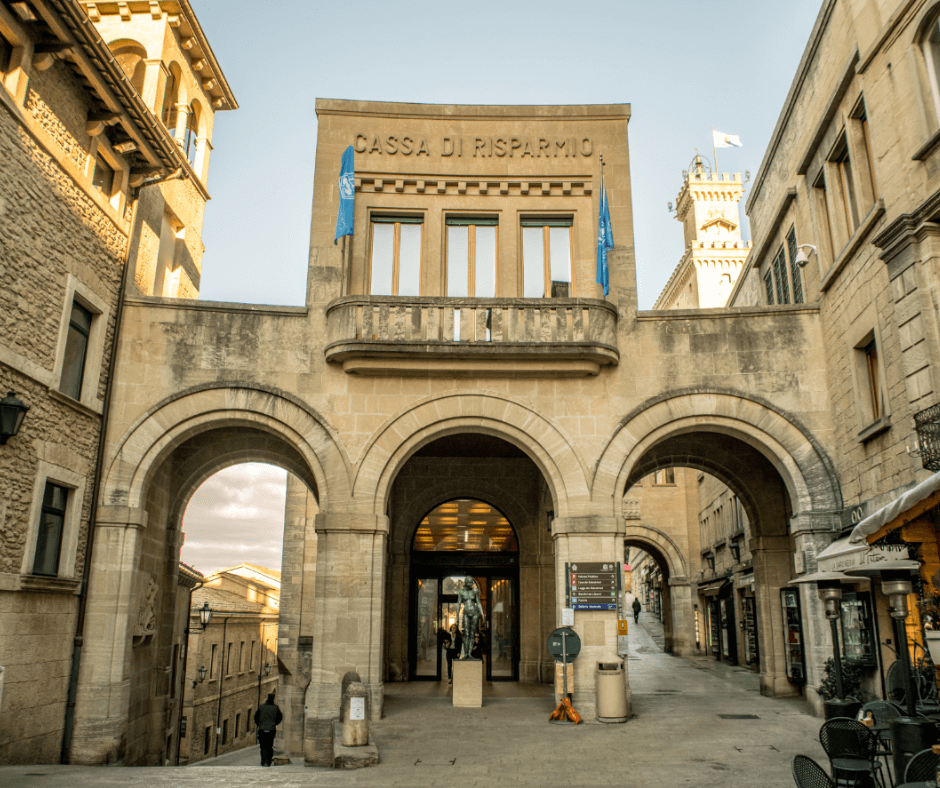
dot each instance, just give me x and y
(469, 504)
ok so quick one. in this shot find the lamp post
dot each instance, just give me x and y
(12, 413)
(829, 587)
(908, 733)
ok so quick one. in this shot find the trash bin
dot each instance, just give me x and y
(611, 692)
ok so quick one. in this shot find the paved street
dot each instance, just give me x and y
(678, 737)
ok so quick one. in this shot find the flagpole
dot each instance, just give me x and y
(714, 151)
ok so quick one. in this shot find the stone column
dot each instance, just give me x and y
(155, 75)
(182, 120)
(531, 644)
(812, 533)
(772, 571)
(101, 708)
(348, 620)
(201, 165)
(589, 538)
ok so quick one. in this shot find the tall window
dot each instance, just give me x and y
(847, 185)
(874, 379)
(214, 661)
(794, 268)
(6, 54)
(471, 257)
(780, 277)
(251, 657)
(865, 161)
(823, 219)
(932, 56)
(546, 258)
(241, 657)
(51, 527)
(205, 743)
(396, 255)
(76, 349)
(189, 137)
(131, 57)
(228, 660)
(769, 286)
(170, 99)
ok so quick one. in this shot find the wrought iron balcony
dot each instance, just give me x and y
(927, 424)
(506, 337)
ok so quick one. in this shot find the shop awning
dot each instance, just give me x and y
(712, 589)
(843, 555)
(903, 505)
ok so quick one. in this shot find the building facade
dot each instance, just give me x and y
(89, 174)
(238, 650)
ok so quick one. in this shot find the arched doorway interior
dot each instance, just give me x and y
(460, 539)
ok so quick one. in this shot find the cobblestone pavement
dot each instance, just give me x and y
(676, 738)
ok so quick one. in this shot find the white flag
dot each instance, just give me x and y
(723, 140)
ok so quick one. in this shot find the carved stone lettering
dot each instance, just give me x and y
(423, 148)
(407, 145)
(544, 145)
(376, 145)
(447, 147)
(392, 143)
(483, 147)
(560, 146)
(500, 147)
(527, 149)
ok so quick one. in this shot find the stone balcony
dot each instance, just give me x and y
(469, 337)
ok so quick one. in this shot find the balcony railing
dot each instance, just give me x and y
(927, 424)
(515, 337)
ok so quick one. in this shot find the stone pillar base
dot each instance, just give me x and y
(468, 683)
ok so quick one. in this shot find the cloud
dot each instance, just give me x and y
(236, 516)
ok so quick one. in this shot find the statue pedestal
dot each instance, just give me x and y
(468, 682)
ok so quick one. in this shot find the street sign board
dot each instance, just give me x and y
(593, 585)
(568, 646)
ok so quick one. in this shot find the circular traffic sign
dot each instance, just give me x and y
(564, 644)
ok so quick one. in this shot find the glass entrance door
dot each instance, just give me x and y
(501, 625)
(427, 652)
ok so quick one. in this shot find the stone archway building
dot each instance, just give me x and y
(347, 392)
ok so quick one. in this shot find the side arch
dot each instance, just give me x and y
(652, 539)
(493, 414)
(177, 419)
(806, 470)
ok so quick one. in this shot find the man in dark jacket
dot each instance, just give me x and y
(267, 718)
(637, 607)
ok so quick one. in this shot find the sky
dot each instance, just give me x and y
(685, 66)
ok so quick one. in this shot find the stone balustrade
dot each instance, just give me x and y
(514, 337)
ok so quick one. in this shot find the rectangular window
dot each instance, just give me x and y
(205, 745)
(471, 257)
(823, 219)
(664, 477)
(251, 657)
(183, 727)
(847, 182)
(228, 660)
(224, 731)
(6, 54)
(176, 656)
(248, 719)
(874, 379)
(794, 268)
(51, 526)
(546, 258)
(238, 722)
(214, 661)
(241, 657)
(865, 160)
(396, 255)
(76, 349)
(103, 177)
(780, 276)
(769, 287)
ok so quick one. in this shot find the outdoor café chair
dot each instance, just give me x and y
(853, 752)
(809, 774)
(922, 767)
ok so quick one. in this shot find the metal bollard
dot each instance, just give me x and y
(355, 720)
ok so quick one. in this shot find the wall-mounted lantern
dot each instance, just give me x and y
(205, 615)
(12, 413)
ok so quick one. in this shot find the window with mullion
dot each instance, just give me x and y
(546, 257)
(794, 268)
(769, 287)
(471, 257)
(51, 527)
(396, 255)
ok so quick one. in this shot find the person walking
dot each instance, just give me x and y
(637, 607)
(267, 718)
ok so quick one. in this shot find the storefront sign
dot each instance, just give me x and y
(593, 586)
(841, 556)
(483, 147)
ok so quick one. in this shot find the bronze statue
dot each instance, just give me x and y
(468, 598)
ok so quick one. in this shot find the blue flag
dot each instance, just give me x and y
(605, 241)
(347, 195)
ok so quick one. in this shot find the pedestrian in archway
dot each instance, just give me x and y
(267, 718)
(637, 607)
